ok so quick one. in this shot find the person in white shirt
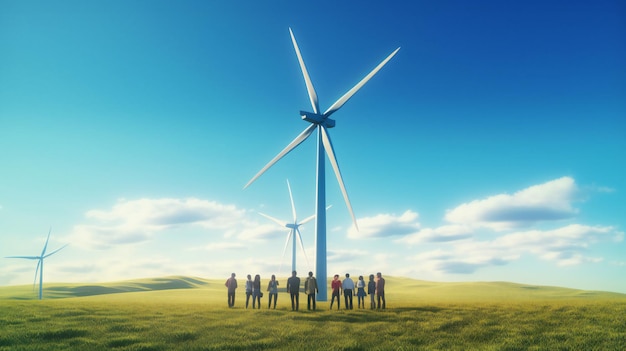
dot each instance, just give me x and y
(360, 291)
(348, 287)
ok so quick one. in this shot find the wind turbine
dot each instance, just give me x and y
(294, 230)
(40, 259)
(322, 123)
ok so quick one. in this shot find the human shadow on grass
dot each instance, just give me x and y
(432, 309)
(359, 316)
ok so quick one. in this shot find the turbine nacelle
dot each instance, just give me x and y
(316, 118)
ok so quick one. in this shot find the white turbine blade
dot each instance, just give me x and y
(293, 207)
(302, 246)
(277, 221)
(309, 85)
(328, 146)
(342, 100)
(306, 220)
(46, 245)
(299, 139)
(55, 251)
(26, 257)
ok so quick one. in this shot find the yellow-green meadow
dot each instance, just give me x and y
(181, 313)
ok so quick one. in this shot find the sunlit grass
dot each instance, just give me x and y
(421, 316)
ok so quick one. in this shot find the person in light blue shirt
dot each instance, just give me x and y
(348, 287)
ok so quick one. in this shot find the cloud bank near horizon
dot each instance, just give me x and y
(492, 231)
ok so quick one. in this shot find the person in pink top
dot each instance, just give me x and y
(380, 289)
(336, 287)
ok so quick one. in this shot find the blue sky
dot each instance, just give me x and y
(490, 148)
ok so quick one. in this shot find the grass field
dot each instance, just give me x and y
(180, 313)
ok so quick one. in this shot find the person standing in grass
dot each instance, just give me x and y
(335, 285)
(371, 290)
(380, 289)
(293, 288)
(231, 285)
(248, 289)
(360, 291)
(272, 288)
(310, 287)
(348, 288)
(256, 291)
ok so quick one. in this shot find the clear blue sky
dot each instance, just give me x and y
(491, 148)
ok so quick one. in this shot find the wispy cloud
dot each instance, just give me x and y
(444, 233)
(345, 255)
(386, 225)
(564, 246)
(504, 215)
(223, 246)
(135, 221)
(545, 202)
(157, 214)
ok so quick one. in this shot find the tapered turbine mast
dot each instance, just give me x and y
(322, 123)
(40, 259)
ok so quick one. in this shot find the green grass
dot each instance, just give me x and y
(178, 313)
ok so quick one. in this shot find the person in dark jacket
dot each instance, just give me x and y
(293, 288)
(231, 285)
(371, 289)
(256, 291)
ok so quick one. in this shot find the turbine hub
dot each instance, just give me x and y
(317, 119)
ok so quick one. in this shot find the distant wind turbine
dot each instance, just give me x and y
(294, 230)
(321, 122)
(40, 259)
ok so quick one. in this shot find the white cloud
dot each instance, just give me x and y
(261, 232)
(444, 233)
(135, 221)
(564, 246)
(157, 214)
(345, 255)
(386, 225)
(545, 202)
(221, 246)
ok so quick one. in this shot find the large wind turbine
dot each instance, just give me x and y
(40, 259)
(294, 230)
(321, 122)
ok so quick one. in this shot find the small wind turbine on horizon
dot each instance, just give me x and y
(40, 259)
(321, 122)
(294, 231)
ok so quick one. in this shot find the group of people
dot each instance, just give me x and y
(374, 288)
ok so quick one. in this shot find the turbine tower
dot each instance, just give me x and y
(322, 123)
(40, 259)
(294, 231)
